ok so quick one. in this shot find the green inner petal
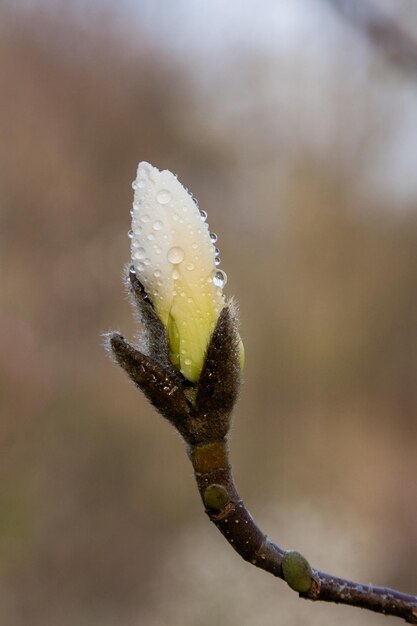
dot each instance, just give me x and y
(173, 341)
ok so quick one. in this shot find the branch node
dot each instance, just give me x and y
(216, 497)
(297, 572)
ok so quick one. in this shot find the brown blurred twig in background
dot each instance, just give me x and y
(383, 31)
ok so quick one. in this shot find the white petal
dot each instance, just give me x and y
(174, 259)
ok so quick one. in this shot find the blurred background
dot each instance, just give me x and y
(295, 126)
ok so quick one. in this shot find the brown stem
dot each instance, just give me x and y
(227, 511)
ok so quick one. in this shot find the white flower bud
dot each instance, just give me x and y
(176, 261)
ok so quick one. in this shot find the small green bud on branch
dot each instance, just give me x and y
(216, 497)
(297, 572)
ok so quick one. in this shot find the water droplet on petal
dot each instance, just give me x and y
(163, 196)
(187, 361)
(194, 246)
(138, 183)
(175, 275)
(190, 266)
(175, 255)
(203, 215)
(216, 252)
(217, 261)
(145, 218)
(219, 278)
(157, 273)
(158, 225)
(213, 237)
(139, 254)
(130, 234)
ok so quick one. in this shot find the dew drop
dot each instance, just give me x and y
(175, 255)
(217, 261)
(139, 254)
(203, 215)
(147, 261)
(213, 237)
(189, 300)
(216, 252)
(140, 267)
(150, 237)
(187, 361)
(157, 273)
(163, 196)
(145, 218)
(138, 184)
(175, 274)
(194, 246)
(219, 278)
(130, 234)
(190, 266)
(157, 225)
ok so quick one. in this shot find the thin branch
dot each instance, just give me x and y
(384, 32)
(228, 512)
(202, 414)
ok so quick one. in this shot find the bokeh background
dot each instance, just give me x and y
(295, 125)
